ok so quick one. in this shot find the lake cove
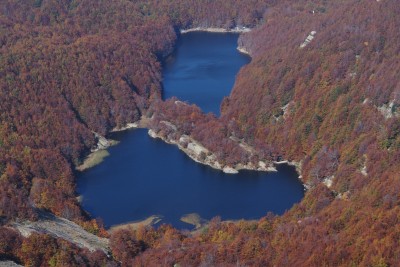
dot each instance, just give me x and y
(145, 178)
(203, 68)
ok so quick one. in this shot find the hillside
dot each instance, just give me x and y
(322, 90)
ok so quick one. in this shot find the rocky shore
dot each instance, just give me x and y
(237, 29)
(196, 151)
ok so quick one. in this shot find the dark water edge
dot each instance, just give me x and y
(145, 176)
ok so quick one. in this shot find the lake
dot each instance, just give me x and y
(144, 176)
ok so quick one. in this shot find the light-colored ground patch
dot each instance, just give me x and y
(237, 29)
(93, 159)
(308, 40)
(8, 264)
(65, 229)
(193, 219)
(152, 220)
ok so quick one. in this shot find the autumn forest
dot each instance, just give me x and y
(322, 91)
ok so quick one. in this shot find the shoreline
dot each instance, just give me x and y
(195, 150)
(243, 50)
(97, 155)
(147, 222)
(216, 29)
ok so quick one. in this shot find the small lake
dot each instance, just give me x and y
(144, 176)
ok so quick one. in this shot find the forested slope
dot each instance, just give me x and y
(71, 68)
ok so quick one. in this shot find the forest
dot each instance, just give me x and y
(73, 67)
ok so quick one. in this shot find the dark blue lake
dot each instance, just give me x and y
(203, 68)
(144, 176)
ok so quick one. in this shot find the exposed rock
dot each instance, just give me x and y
(262, 164)
(126, 127)
(285, 110)
(152, 133)
(9, 264)
(237, 29)
(243, 50)
(65, 229)
(389, 110)
(196, 148)
(102, 142)
(229, 170)
(366, 101)
(308, 40)
(363, 169)
(184, 139)
(178, 102)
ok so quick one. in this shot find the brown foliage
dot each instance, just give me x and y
(68, 68)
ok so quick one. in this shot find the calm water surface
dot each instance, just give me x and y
(144, 177)
(203, 69)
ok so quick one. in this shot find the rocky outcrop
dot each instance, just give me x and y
(102, 142)
(126, 127)
(65, 229)
(237, 29)
(389, 110)
(243, 50)
(308, 40)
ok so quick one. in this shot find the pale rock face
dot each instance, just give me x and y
(271, 169)
(184, 138)
(328, 181)
(102, 142)
(237, 29)
(197, 149)
(308, 40)
(152, 134)
(126, 127)
(229, 170)
(262, 164)
(243, 50)
(389, 110)
(217, 165)
(65, 229)
(364, 171)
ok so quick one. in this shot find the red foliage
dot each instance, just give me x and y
(68, 68)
